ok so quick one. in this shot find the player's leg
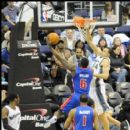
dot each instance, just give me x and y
(69, 104)
(112, 120)
(104, 120)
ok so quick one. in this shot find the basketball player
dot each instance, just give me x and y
(101, 68)
(82, 76)
(82, 117)
(11, 115)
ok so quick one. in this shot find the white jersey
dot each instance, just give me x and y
(14, 117)
(97, 92)
(98, 68)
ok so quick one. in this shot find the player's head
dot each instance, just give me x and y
(83, 98)
(84, 62)
(106, 52)
(14, 97)
(90, 102)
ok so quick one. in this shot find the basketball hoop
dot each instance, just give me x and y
(83, 23)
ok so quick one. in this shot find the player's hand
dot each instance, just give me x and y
(48, 43)
(88, 35)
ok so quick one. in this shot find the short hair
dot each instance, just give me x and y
(60, 41)
(90, 102)
(84, 62)
(83, 98)
(12, 96)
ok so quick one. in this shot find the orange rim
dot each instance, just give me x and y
(80, 21)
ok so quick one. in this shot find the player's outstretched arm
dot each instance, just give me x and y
(89, 40)
(71, 67)
(96, 121)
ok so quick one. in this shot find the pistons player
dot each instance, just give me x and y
(82, 76)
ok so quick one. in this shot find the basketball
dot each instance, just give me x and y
(53, 38)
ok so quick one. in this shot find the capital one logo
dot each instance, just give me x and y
(35, 116)
(33, 53)
(39, 114)
(30, 82)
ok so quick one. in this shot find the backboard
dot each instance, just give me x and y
(49, 16)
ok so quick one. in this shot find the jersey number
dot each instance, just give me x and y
(84, 120)
(83, 83)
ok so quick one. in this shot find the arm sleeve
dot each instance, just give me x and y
(6, 126)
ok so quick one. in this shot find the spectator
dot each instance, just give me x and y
(5, 55)
(3, 97)
(107, 10)
(67, 53)
(123, 37)
(6, 43)
(69, 39)
(10, 12)
(127, 63)
(76, 35)
(102, 43)
(126, 14)
(57, 75)
(4, 74)
(118, 71)
(74, 59)
(4, 29)
(82, 45)
(101, 33)
(117, 42)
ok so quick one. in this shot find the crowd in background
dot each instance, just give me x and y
(72, 47)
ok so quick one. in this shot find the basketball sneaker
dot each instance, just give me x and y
(125, 125)
(48, 123)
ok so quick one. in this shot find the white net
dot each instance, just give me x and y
(88, 25)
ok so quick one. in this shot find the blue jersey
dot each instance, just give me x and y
(82, 80)
(84, 118)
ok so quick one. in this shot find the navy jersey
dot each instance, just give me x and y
(82, 80)
(84, 118)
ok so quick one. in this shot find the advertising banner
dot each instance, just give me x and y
(33, 116)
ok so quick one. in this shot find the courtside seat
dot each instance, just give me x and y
(109, 31)
(127, 95)
(123, 88)
(108, 88)
(45, 49)
(82, 13)
(61, 89)
(123, 29)
(47, 91)
(115, 100)
(97, 13)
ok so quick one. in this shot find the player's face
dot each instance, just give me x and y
(105, 52)
(17, 100)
